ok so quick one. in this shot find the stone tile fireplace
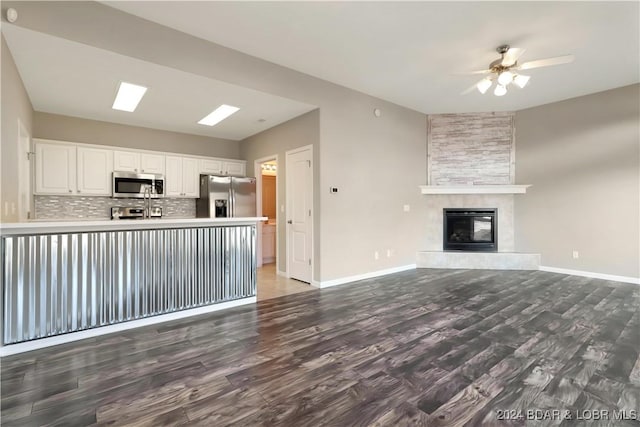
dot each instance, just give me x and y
(471, 168)
(501, 258)
(502, 204)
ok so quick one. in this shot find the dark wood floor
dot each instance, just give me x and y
(424, 347)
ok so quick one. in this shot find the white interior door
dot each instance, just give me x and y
(299, 213)
(24, 172)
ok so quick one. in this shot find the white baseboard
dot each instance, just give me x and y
(343, 280)
(23, 347)
(612, 277)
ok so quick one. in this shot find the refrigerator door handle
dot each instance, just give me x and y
(232, 202)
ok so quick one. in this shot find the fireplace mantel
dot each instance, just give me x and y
(474, 189)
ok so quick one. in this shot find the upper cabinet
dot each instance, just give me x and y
(131, 161)
(181, 179)
(234, 168)
(126, 161)
(210, 166)
(94, 171)
(222, 167)
(55, 169)
(65, 168)
(190, 177)
(152, 163)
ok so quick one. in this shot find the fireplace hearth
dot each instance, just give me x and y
(470, 230)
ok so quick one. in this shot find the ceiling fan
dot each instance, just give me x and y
(503, 70)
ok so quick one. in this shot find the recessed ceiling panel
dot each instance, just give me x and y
(73, 79)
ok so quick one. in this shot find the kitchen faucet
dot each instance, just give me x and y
(148, 191)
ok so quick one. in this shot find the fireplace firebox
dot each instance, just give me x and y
(471, 230)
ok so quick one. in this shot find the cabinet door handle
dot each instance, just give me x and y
(289, 222)
(135, 170)
(70, 191)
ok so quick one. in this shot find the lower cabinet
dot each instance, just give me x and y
(268, 243)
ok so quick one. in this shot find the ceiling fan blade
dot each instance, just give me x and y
(511, 56)
(471, 88)
(469, 73)
(558, 60)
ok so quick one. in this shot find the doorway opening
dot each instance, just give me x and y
(272, 280)
(268, 171)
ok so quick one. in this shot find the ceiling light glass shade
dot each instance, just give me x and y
(218, 115)
(500, 90)
(484, 85)
(520, 80)
(505, 78)
(128, 97)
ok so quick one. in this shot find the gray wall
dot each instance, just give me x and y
(74, 129)
(15, 106)
(582, 157)
(377, 163)
(298, 132)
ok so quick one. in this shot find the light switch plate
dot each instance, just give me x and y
(407, 208)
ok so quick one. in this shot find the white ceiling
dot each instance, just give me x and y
(69, 78)
(409, 52)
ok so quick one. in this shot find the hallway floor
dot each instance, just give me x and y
(271, 285)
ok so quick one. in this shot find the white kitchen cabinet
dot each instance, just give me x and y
(190, 177)
(234, 168)
(181, 178)
(268, 243)
(55, 169)
(66, 168)
(94, 171)
(126, 161)
(132, 161)
(152, 163)
(210, 166)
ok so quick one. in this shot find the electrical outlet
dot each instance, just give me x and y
(282, 208)
(13, 208)
(389, 253)
(406, 208)
(576, 255)
(376, 255)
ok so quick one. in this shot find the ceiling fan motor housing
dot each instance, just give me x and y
(502, 49)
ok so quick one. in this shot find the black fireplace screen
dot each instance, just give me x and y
(470, 230)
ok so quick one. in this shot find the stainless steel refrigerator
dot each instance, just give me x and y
(226, 196)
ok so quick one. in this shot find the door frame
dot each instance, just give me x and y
(288, 207)
(257, 168)
(25, 212)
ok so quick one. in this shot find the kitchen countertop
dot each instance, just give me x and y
(53, 227)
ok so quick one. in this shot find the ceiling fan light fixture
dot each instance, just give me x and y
(484, 85)
(520, 80)
(505, 78)
(500, 90)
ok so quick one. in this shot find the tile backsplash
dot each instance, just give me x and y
(72, 207)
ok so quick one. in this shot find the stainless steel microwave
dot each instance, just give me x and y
(129, 184)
